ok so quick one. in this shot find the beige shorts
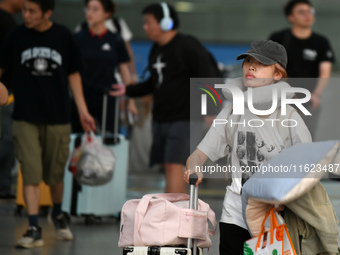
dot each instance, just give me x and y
(42, 151)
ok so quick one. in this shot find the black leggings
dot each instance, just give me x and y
(232, 238)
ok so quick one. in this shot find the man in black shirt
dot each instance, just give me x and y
(174, 58)
(43, 60)
(7, 155)
(309, 55)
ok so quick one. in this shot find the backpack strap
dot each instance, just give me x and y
(285, 132)
(117, 24)
(84, 25)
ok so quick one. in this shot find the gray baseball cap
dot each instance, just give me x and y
(266, 52)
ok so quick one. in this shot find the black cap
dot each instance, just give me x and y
(266, 52)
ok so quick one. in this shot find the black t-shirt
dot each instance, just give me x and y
(304, 55)
(7, 23)
(40, 63)
(101, 58)
(171, 67)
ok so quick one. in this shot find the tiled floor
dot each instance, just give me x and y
(102, 237)
(98, 238)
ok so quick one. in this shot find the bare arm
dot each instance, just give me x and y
(86, 119)
(3, 92)
(125, 73)
(325, 69)
(193, 165)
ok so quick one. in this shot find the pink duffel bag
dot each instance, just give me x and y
(165, 219)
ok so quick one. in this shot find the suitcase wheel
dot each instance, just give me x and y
(18, 211)
(91, 219)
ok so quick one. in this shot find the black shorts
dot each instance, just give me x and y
(171, 142)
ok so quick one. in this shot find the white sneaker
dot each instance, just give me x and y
(63, 232)
(31, 239)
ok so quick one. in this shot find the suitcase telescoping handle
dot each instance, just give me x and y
(104, 116)
(193, 204)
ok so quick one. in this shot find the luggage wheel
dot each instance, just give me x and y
(92, 219)
(18, 211)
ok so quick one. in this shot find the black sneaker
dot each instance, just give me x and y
(31, 239)
(63, 232)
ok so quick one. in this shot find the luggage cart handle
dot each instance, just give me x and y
(193, 204)
(193, 179)
(193, 200)
(104, 116)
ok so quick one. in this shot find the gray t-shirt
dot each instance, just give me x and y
(253, 145)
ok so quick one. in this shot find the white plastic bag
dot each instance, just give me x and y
(96, 162)
(276, 241)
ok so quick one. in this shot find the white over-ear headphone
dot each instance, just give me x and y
(166, 23)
